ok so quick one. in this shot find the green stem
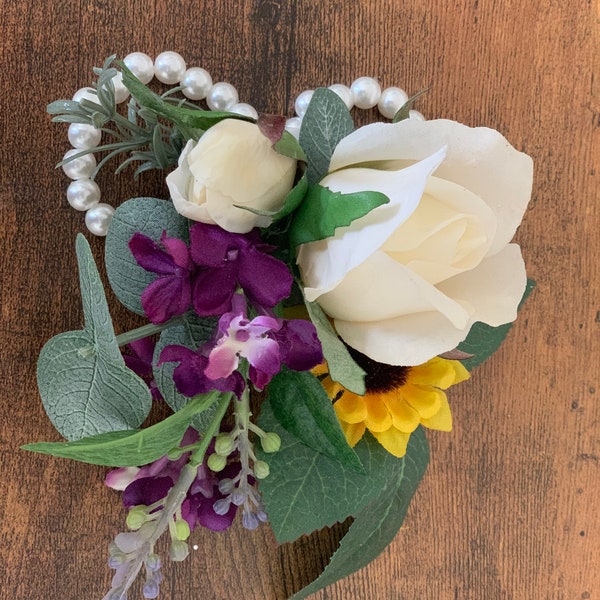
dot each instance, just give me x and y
(145, 331)
(198, 456)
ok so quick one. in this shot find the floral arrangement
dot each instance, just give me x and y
(312, 291)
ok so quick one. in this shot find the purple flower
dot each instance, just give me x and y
(299, 345)
(231, 259)
(151, 483)
(170, 294)
(249, 339)
(138, 357)
(189, 376)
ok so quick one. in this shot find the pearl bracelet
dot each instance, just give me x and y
(83, 193)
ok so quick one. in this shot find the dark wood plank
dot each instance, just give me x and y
(509, 507)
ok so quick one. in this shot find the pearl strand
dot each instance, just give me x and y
(83, 194)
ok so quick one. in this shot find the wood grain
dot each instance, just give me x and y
(509, 507)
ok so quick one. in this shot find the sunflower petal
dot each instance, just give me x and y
(438, 372)
(378, 417)
(427, 400)
(404, 417)
(351, 408)
(353, 432)
(393, 441)
(442, 420)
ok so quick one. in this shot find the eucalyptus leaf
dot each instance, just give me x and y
(342, 367)
(323, 211)
(130, 448)
(83, 381)
(326, 121)
(306, 490)
(377, 524)
(191, 331)
(303, 408)
(483, 340)
(151, 217)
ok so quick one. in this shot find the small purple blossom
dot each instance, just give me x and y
(138, 357)
(170, 294)
(230, 259)
(248, 339)
(189, 376)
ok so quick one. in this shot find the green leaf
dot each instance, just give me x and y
(83, 381)
(404, 111)
(483, 340)
(323, 211)
(377, 524)
(187, 119)
(289, 146)
(307, 490)
(342, 367)
(303, 408)
(191, 332)
(129, 448)
(326, 121)
(290, 203)
(151, 217)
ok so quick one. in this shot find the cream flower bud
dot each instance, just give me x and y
(232, 167)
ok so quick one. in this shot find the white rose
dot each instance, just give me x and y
(232, 164)
(407, 281)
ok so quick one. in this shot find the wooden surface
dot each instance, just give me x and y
(509, 507)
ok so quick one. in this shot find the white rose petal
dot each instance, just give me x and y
(407, 281)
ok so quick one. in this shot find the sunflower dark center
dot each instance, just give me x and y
(379, 376)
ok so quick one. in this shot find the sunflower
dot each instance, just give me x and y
(397, 400)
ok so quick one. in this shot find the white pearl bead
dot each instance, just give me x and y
(366, 92)
(87, 93)
(416, 115)
(241, 108)
(391, 101)
(196, 83)
(79, 168)
(222, 96)
(141, 65)
(121, 91)
(302, 102)
(84, 136)
(83, 194)
(97, 219)
(344, 92)
(169, 67)
(293, 125)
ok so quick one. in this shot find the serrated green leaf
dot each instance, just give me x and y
(307, 490)
(151, 217)
(326, 121)
(192, 332)
(303, 408)
(342, 367)
(130, 448)
(483, 340)
(323, 211)
(83, 381)
(376, 525)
